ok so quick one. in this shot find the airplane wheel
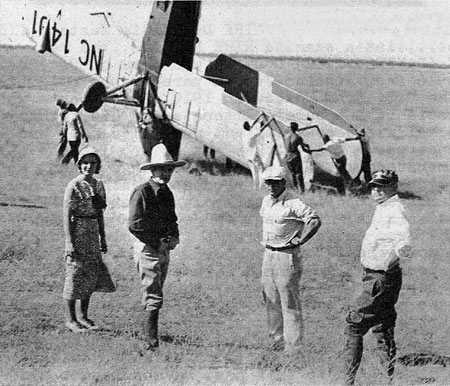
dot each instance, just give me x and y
(93, 97)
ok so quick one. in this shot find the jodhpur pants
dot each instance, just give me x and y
(281, 272)
(152, 266)
(374, 309)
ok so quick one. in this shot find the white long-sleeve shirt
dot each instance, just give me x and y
(388, 238)
(73, 126)
(334, 147)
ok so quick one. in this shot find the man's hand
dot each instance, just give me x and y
(173, 242)
(164, 244)
(168, 243)
(296, 240)
(103, 246)
(69, 249)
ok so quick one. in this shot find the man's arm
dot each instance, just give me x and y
(80, 125)
(137, 223)
(310, 229)
(357, 138)
(313, 150)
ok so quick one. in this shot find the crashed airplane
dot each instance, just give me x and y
(147, 64)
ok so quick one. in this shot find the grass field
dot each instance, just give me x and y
(213, 321)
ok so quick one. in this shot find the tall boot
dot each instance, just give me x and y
(150, 327)
(352, 355)
(387, 351)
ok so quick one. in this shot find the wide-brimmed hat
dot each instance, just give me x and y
(383, 178)
(274, 173)
(161, 157)
(85, 151)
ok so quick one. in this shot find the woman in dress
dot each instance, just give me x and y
(84, 202)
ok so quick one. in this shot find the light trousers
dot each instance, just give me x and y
(280, 280)
(152, 266)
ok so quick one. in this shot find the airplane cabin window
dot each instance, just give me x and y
(163, 5)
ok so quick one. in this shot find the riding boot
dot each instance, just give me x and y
(150, 327)
(387, 351)
(352, 355)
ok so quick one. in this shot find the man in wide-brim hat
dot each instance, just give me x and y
(153, 221)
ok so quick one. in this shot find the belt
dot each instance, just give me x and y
(279, 249)
(391, 270)
(91, 217)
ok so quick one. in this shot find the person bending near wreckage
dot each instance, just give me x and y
(334, 147)
(153, 221)
(386, 241)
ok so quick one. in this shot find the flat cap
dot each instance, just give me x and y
(384, 178)
(274, 173)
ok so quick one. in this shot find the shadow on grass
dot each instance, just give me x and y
(407, 195)
(423, 359)
(216, 168)
(22, 205)
(181, 340)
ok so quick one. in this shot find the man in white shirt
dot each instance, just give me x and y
(386, 241)
(74, 132)
(334, 147)
(62, 143)
(251, 153)
(287, 224)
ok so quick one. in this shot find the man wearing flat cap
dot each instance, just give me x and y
(153, 221)
(287, 224)
(386, 242)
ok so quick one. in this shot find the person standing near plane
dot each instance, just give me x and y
(294, 158)
(212, 152)
(84, 229)
(154, 223)
(386, 242)
(366, 157)
(62, 143)
(74, 131)
(287, 224)
(334, 147)
(251, 153)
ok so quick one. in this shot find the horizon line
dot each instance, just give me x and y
(324, 60)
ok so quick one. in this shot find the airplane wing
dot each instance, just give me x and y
(89, 37)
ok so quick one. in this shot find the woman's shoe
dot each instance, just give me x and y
(88, 323)
(75, 327)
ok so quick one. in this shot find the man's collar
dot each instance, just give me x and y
(281, 197)
(390, 200)
(154, 185)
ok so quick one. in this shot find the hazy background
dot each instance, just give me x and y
(398, 31)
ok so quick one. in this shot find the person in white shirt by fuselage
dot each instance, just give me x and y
(251, 153)
(334, 147)
(386, 242)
